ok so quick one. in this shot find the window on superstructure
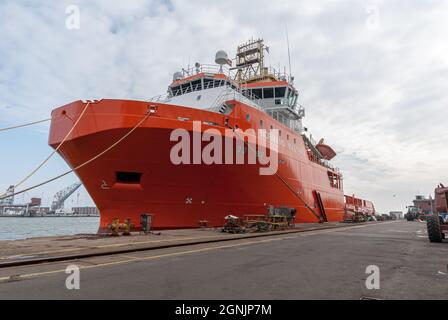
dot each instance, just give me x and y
(197, 85)
(290, 92)
(292, 97)
(257, 93)
(186, 88)
(218, 83)
(280, 92)
(208, 83)
(335, 180)
(281, 118)
(268, 93)
(176, 91)
(261, 124)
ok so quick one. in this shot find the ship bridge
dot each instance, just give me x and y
(245, 79)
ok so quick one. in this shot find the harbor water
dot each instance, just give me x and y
(24, 228)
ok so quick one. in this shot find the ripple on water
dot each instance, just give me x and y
(23, 228)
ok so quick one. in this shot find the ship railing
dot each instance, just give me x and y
(247, 75)
(211, 69)
(232, 73)
(198, 87)
(297, 126)
(311, 144)
(160, 98)
(167, 96)
(283, 76)
(231, 93)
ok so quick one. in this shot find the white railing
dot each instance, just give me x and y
(231, 94)
(189, 89)
(209, 69)
(231, 73)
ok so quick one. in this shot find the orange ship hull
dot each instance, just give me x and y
(179, 196)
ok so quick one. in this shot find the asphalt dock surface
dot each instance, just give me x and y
(320, 264)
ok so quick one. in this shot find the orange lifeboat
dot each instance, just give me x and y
(325, 150)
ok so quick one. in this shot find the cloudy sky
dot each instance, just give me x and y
(373, 76)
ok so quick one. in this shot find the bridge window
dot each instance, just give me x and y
(197, 85)
(257, 93)
(292, 97)
(176, 91)
(208, 83)
(186, 87)
(268, 93)
(219, 83)
(280, 92)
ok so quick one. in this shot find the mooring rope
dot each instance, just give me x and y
(26, 178)
(83, 164)
(24, 125)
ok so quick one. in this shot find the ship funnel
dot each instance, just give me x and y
(178, 76)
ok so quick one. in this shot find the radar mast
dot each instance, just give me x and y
(250, 63)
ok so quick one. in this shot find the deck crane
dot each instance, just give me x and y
(61, 196)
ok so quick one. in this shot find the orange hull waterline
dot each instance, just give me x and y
(137, 176)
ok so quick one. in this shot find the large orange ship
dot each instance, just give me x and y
(131, 142)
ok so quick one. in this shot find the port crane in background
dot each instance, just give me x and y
(9, 200)
(61, 196)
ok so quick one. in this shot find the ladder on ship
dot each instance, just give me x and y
(321, 206)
